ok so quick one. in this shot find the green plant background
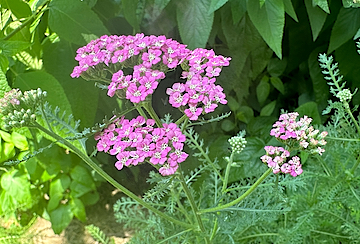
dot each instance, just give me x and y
(274, 46)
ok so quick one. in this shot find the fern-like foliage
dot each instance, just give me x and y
(99, 235)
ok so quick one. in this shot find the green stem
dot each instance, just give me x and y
(179, 121)
(141, 112)
(342, 139)
(242, 197)
(347, 109)
(148, 107)
(40, 10)
(352, 170)
(108, 178)
(192, 204)
(214, 230)
(227, 172)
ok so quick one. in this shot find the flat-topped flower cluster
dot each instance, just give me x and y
(150, 57)
(288, 130)
(137, 140)
(276, 157)
(297, 135)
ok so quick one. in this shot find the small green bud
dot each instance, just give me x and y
(344, 95)
(237, 143)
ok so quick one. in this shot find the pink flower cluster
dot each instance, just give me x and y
(136, 140)
(199, 94)
(276, 159)
(156, 54)
(288, 129)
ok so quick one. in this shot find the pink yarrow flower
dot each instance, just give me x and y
(135, 141)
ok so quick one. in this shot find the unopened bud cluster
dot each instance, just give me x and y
(18, 109)
(344, 95)
(237, 143)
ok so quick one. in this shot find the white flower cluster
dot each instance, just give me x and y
(237, 143)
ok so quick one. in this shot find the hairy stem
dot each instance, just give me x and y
(108, 178)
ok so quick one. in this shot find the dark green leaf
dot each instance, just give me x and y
(158, 7)
(323, 4)
(310, 109)
(227, 125)
(289, 9)
(263, 90)
(317, 18)
(78, 208)
(238, 9)
(130, 9)
(83, 96)
(351, 3)
(4, 86)
(278, 84)
(345, 27)
(19, 141)
(268, 109)
(74, 21)
(90, 198)
(216, 4)
(17, 185)
(19, 8)
(60, 218)
(269, 20)
(4, 63)
(320, 86)
(194, 22)
(33, 80)
(245, 114)
(276, 67)
(233, 103)
(82, 175)
(10, 48)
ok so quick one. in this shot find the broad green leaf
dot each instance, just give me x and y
(310, 109)
(5, 136)
(130, 7)
(216, 4)
(78, 208)
(19, 141)
(90, 198)
(269, 20)
(345, 27)
(278, 84)
(10, 48)
(227, 125)
(4, 86)
(276, 67)
(7, 203)
(19, 8)
(4, 63)
(289, 9)
(194, 22)
(268, 109)
(82, 175)
(238, 9)
(357, 35)
(232, 103)
(60, 218)
(351, 3)
(57, 189)
(317, 18)
(18, 186)
(320, 86)
(83, 96)
(33, 80)
(263, 90)
(78, 189)
(245, 114)
(158, 7)
(73, 19)
(7, 152)
(323, 4)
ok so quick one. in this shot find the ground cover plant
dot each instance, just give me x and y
(232, 131)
